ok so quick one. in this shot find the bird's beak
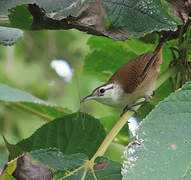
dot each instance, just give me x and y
(91, 96)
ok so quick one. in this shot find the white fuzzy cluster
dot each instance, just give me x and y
(129, 156)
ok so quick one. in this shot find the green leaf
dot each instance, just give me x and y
(117, 19)
(9, 36)
(138, 47)
(162, 92)
(73, 166)
(187, 86)
(111, 171)
(20, 14)
(47, 162)
(9, 168)
(165, 140)
(49, 6)
(115, 151)
(107, 56)
(6, 176)
(29, 102)
(135, 15)
(167, 54)
(56, 160)
(70, 134)
(3, 160)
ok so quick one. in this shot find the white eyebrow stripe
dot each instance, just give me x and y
(109, 86)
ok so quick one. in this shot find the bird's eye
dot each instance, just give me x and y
(102, 91)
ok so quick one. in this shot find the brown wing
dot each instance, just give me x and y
(134, 72)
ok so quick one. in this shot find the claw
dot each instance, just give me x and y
(128, 108)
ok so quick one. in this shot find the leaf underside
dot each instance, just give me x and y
(9, 36)
(165, 151)
(116, 19)
(30, 103)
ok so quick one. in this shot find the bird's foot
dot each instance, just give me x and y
(128, 108)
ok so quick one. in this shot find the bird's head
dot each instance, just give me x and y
(109, 94)
(101, 93)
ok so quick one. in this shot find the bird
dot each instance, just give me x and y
(134, 80)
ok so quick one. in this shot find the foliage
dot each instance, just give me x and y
(115, 19)
(62, 166)
(9, 36)
(20, 14)
(172, 117)
(30, 103)
(66, 143)
(70, 134)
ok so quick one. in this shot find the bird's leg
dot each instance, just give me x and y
(130, 107)
(127, 108)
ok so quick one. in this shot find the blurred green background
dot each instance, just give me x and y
(27, 66)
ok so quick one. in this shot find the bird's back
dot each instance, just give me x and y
(133, 73)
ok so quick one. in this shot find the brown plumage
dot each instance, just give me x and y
(134, 80)
(137, 71)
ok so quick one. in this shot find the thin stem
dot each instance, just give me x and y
(84, 174)
(122, 121)
(115, 130)
(45, 116)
